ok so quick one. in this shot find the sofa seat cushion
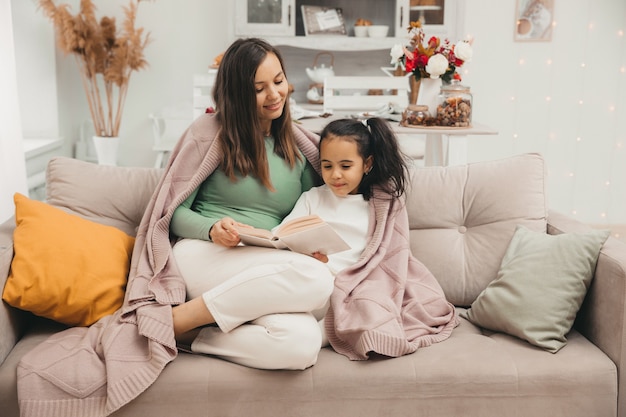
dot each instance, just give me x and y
(39, 330)
(474, 372)
(462, 218)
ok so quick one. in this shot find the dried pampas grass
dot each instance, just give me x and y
(105, 57)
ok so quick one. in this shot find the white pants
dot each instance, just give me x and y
(266, 302)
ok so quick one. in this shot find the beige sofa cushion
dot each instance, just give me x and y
(115, 196)
(462, 218)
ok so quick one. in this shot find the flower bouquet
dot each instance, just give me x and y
(434, 58)
(431, 62)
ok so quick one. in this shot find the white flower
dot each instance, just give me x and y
(397, 52)
(416, 33)
(463, 50)
(437, 65)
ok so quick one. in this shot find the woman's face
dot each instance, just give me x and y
(271, 88)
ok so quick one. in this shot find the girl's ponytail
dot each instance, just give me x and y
(389, 170)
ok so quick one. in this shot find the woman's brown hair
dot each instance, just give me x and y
(241, 136)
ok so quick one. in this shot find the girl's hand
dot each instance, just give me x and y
(320, 257)
(223, 232)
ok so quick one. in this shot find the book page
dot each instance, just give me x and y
(251, 240)
(307, 234)
(253, 231)
(298, 224)
(320, 238)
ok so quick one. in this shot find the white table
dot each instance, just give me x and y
(444, 146)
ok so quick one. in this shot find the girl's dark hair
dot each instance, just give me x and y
(241, 136)
(375, 138)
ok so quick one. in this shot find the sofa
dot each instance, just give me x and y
(463, 221)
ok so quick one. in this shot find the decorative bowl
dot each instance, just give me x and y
(360, 31)
(377, 31)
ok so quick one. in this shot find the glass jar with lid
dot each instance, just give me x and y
(455, 105)
(415, 115)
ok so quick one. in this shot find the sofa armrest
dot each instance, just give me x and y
(11, 319)
(602, 317)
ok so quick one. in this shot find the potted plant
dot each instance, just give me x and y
(106, 57)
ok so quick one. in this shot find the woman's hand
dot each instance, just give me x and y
(224, 232)
(320, 257)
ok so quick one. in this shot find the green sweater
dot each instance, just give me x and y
(246, 200)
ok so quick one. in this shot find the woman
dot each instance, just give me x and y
(261, 299)
(253, 166)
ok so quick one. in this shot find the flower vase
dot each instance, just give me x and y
(414, 87)
(106, 149)
(428, 93)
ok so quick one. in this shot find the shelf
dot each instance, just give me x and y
(36, 146)
(336, 43)
(425, 8)
(37, 153)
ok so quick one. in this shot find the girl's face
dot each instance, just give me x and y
(342, 165)
(271, 88)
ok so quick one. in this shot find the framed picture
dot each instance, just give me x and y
(533, 20)
(323, 20)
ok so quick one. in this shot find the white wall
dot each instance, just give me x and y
(36, 78)
(12, 166)
(186, 36)
(529, 92)
(564, 99)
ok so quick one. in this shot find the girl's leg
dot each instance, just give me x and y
(275, 341)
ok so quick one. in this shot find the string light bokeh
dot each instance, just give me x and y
(564, 98)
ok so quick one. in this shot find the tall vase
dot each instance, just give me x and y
(414, 89)
(106, 149)
(428, 93)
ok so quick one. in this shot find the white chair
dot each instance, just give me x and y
(344, 93)
(351, 93)
(166, 132)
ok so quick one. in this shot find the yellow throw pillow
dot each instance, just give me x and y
(66, 268)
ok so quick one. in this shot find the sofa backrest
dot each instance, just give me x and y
(462, 218)
(115, 196)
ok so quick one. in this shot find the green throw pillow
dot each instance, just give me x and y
(541, 284)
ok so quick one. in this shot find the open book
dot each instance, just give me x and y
(305, 234)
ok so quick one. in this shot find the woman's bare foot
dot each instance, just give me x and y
(190, 315)
(185, 340)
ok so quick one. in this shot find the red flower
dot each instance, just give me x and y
(422, 60)
(409, 65)
(416, 57)
(454, 60)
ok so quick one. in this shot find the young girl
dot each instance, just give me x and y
(384, 301)
(350, 174)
